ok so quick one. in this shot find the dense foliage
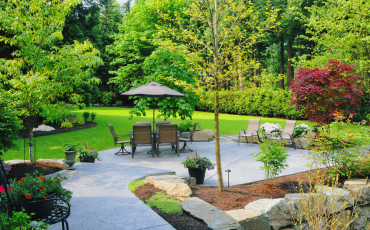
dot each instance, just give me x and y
(322, 92)
(255, 102)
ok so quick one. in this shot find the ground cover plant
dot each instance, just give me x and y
(52, 146)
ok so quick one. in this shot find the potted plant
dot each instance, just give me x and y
(34, 187)
(70, 151)
(88, 155)
(197, 166)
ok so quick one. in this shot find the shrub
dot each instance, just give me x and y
(186, 126)
(79, 121)
(301, 130)
(93, 116)
(107, 97)
(9, 126)
(86, 115)
(254, 102)
(66, 124)
(273, 156)
(119, 103)
(322, 92)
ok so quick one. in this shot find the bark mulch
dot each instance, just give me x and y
(182, 221)
(19, 170)
(26, 134)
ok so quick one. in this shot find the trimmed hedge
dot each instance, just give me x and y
(254, 102)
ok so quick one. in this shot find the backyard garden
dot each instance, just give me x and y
(274, 94)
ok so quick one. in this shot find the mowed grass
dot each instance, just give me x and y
(100, 137)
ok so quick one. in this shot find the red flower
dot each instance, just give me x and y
(57, 184)
(44, 180)
(28, 196)
(19, 181)
(46, 197)
(52, 180)
(2, 189)
(41, 188)
(41, 177)
(9, 188)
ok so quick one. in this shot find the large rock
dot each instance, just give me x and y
(185, 134)
(212, 216)
(276, 210)
(360, 192)
(204, 135)
(363, 217)
(249, 219)
(337, 198)
(172, 184)
(72, 119)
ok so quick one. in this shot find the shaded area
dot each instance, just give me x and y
(19, 170)
(26, 134)
(182, 221)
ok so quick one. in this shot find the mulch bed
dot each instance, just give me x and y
(182, 221)
(26, 134)
(19, 170)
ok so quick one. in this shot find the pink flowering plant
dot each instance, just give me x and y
(7, 167)
(269, 128)
(199, 162)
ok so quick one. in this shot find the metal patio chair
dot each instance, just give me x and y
(122, 150)
(190, 139)
(168, 135)
(287, 133)
(142, 136)
(252, 130)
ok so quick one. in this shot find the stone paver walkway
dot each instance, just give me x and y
(102, 200)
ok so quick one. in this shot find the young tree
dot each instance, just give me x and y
(322, 92)
(40, 73)
(221, 34)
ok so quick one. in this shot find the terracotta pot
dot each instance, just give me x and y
(199, 174)
(70, 157)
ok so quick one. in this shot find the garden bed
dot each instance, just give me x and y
(26, 134)
(19, 170)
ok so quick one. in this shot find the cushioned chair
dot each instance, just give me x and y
(252, 130)
(287, 133)
(122, 150)
(190, 139)
(142, 137)
(167, 135)
(157, 123)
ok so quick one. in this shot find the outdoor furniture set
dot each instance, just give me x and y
(143, 135)
(253, 127)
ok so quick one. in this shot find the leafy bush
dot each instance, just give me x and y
(79, 121)
(254, 102)
(107, 97)
(322, 92)
(90, 93)
(186, 126)
(273, 156)
(93, 116)
(119, 103)
(86, 115)
(301, 130)
(9, 126)
(19, 220)
(66, 124)
(72, 147)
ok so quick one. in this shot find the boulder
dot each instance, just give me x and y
(363, 217)
(359, 191)
(71, 118)
(337, 198)
(172, 184)
(185, 134)
(204, 135)
(250, 219)
(212, 216)
(276, 210)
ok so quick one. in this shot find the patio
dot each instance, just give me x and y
(102, 200)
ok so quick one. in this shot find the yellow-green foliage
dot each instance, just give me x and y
(165, 203)
(66, 124)
(136, 184)
(79, 121)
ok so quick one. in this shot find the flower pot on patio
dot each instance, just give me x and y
(70, 158)
(90, 159)
(40, 208)
(198, 173)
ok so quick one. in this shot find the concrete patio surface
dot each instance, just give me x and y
(102, 200)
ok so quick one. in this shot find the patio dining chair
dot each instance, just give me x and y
(287, 133)
(157, 123)
(252, 130)
(142, 137)
(190, 139)
(143, 123)
(167, 135)
(122, 150)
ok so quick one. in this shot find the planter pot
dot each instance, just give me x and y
(40, 209)
(70, 157)
(199, 174)
(91, 159)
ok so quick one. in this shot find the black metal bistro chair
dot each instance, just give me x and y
(190, 139)
(122, 150)
(59, 213)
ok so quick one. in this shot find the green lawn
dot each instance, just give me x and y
(100, 137)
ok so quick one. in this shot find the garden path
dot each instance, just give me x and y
(102, 200)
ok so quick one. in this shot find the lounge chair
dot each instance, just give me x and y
(252, 130)
(142, 136)
(287, 133)
(190, 139)
(167, 135)
(122, 150)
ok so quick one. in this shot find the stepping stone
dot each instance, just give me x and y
(172, 184)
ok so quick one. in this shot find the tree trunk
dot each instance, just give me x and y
(217, 130)
(282, 61)
(31, 146)
(290, 69)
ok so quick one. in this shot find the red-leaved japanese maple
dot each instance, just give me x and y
(321, 92)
